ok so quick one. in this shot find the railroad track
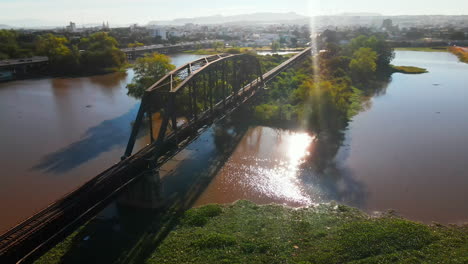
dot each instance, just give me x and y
(30, 239)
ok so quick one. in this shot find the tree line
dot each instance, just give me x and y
(96, 53)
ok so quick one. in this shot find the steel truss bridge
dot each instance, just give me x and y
(186, 100)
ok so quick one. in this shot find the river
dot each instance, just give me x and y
(57, 133)
(406, 151)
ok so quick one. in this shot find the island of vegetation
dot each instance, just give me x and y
(409, 69)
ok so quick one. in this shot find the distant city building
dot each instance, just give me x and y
(158, 32)
(387, 24)
(105, 26)
(71, 27)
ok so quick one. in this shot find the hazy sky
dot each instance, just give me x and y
(141, 11)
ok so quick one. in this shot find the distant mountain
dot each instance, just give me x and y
(360, 14)
(236, 19)
(2, 26)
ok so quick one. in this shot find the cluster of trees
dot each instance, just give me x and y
(323, 93)
(148, 70)
(14, 45)
(334, 82)
(97, 53)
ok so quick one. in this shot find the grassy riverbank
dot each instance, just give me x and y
(248, 233)
(409, 69)
(425, 49)
(460, 52)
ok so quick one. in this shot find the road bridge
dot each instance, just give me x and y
(199, 93)
(135, 52)
(11, 67)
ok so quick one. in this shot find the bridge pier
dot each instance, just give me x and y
(145, 193)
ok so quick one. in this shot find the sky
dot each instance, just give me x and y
(122, 12)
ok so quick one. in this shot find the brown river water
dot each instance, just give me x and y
(408, 150)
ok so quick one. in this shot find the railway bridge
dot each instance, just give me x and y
(186, 100)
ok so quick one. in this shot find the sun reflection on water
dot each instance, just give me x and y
(274, 173)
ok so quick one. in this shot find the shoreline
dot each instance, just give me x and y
(243, 231)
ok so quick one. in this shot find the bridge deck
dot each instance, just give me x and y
(18, 62)
(40, 232)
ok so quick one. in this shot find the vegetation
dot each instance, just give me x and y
(94, 54)
(62, 58)
(148, 70)
(8, 45)
(337, 82)
(275, 46)
(409, 69)
(248, 233)
(425, 49)
(135, 44)
(101, 53)
(461, 53)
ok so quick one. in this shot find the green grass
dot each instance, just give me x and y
(244, 232)
(247, 233)
(426, 49)
(409, 69)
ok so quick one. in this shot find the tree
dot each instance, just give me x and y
(363, 64)
(216, 45)
(101, 53)
(61, 58)
(8, 44)
(384, 51)
(135, 44)
(275, 45)
(148, 70)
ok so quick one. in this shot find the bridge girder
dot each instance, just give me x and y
(193, 90)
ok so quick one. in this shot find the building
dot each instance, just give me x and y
(158, 32)
(71, 27)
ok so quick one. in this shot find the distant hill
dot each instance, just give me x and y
(2, 26)
(236, 19)
(360, 14)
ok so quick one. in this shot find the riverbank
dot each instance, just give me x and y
(425, 49)
(244, 232)
(460, 52)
